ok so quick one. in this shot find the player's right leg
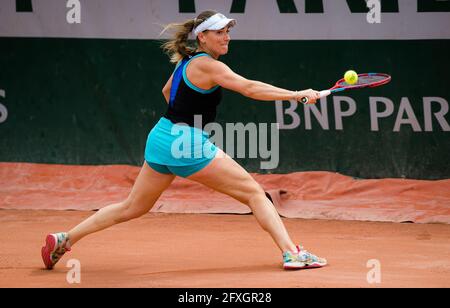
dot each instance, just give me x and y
(223, 174)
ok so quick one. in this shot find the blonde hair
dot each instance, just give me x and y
(179, 46)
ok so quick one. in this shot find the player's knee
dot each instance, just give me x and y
(130, 209)
(255, 196)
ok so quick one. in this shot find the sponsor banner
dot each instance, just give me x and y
(257, 19)
(89, 101)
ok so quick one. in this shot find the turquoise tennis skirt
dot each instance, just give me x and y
(178, 149)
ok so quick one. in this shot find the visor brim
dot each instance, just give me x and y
(222, 24)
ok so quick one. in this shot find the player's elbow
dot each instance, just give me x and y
(249, 89)
(166, 94)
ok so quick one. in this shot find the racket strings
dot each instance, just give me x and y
(365, 80)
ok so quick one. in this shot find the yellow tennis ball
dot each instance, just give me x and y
(351, 77)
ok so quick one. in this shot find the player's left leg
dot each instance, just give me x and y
(146, 190)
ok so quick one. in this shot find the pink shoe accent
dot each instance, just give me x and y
(47, 250)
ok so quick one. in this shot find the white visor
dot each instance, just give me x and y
(216, 22)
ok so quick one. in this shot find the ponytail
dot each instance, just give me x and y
(179, 46)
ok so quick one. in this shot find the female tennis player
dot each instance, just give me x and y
(194, 88)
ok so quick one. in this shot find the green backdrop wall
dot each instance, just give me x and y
(93, 101)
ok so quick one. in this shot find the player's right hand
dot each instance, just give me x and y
(310, 94)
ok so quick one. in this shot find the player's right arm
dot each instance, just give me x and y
(222, 75)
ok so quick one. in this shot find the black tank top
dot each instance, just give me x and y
(187, 100)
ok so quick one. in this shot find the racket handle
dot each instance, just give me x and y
(324, 93)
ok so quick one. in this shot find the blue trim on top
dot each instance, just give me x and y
(178, 64)
(177, 75)
(192, 86)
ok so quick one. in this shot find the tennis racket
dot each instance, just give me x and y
(368, 80)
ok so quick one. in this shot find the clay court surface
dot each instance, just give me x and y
(207, 250)
(194, 237)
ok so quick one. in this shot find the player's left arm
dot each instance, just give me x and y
(166, 89)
